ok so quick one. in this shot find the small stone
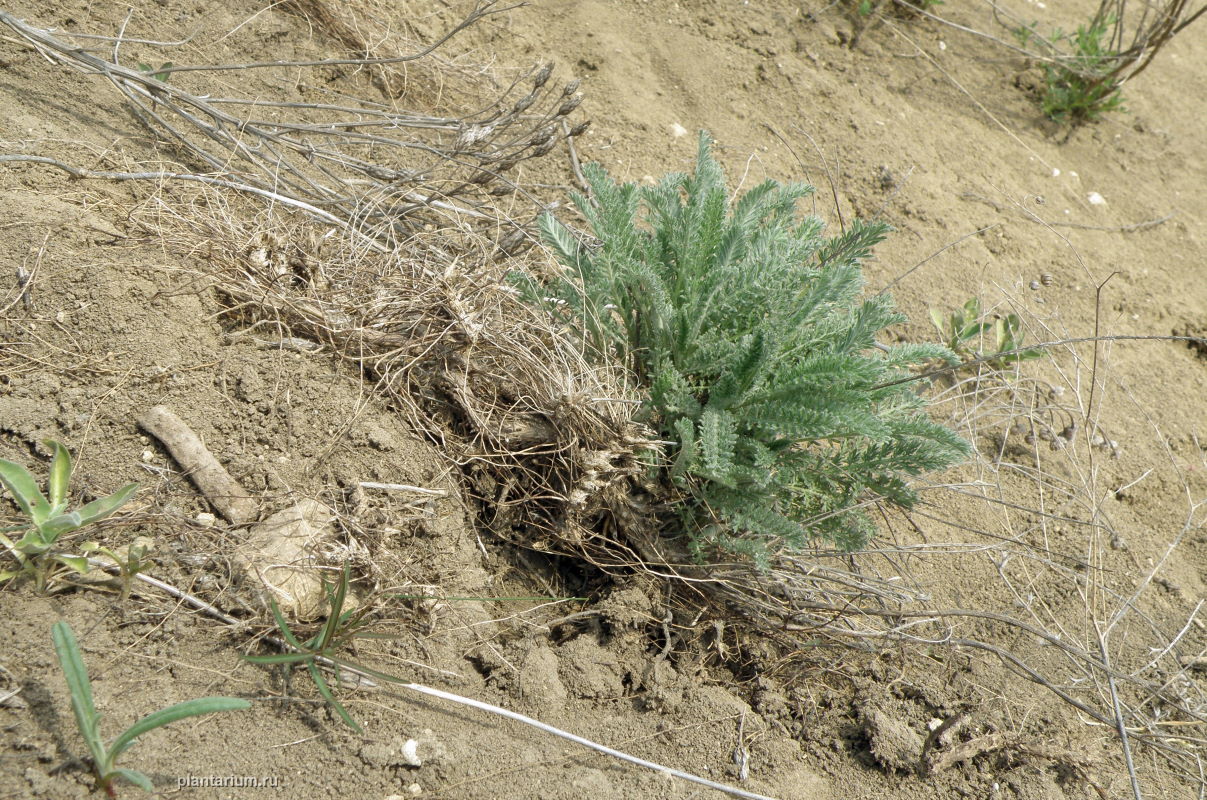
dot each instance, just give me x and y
(409, 753)
(1096, 199)
(205, 518)
(678, 130)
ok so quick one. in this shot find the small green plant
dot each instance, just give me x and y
(88, 718)
(162, 74)
(340, 628)
(1024, 34)
(47, 518)
(1087, 69)
(900, 8)
(1085, 85)
(966, 328)
(759, 360)
(130, 560)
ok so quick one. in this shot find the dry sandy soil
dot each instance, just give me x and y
(932, 129)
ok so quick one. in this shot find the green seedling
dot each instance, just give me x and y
(1084, 86)
(1082, 78)
(1024, 34)
(130, 560)
(162, 74)
(966, 327)
(340, 628)
(88, 718)
(868, 8)
(961, 327)
(47, 518)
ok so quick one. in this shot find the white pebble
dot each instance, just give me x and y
(205, 518)
(1096, 199)
(410, 753)
(678, 130)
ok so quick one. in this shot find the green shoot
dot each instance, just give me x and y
(162, 74)
(1084, 86)
(340, 628)
(966, 327)
(88, 718)
(130, 560)
(47, 518)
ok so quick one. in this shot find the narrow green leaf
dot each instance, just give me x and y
(86, 716)
(77, 563)
(559, 237)
(334, 617)
(133, 776)
(685, 460)
(24, 489)
(325, 691)
(60, 476)
(55, 527)
(283, 626)
(98, 509)
(717, 439)
(280, 658)
(165, 716)
(383, 676)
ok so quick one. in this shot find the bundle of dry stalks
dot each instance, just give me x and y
(1136, 32)
(372, 168)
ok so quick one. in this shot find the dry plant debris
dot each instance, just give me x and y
(283, 553)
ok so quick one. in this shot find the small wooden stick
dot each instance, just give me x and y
(224, 492)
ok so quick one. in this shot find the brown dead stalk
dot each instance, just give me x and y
(382, 170)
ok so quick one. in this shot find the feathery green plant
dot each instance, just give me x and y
(745, 326)
(88, 719)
